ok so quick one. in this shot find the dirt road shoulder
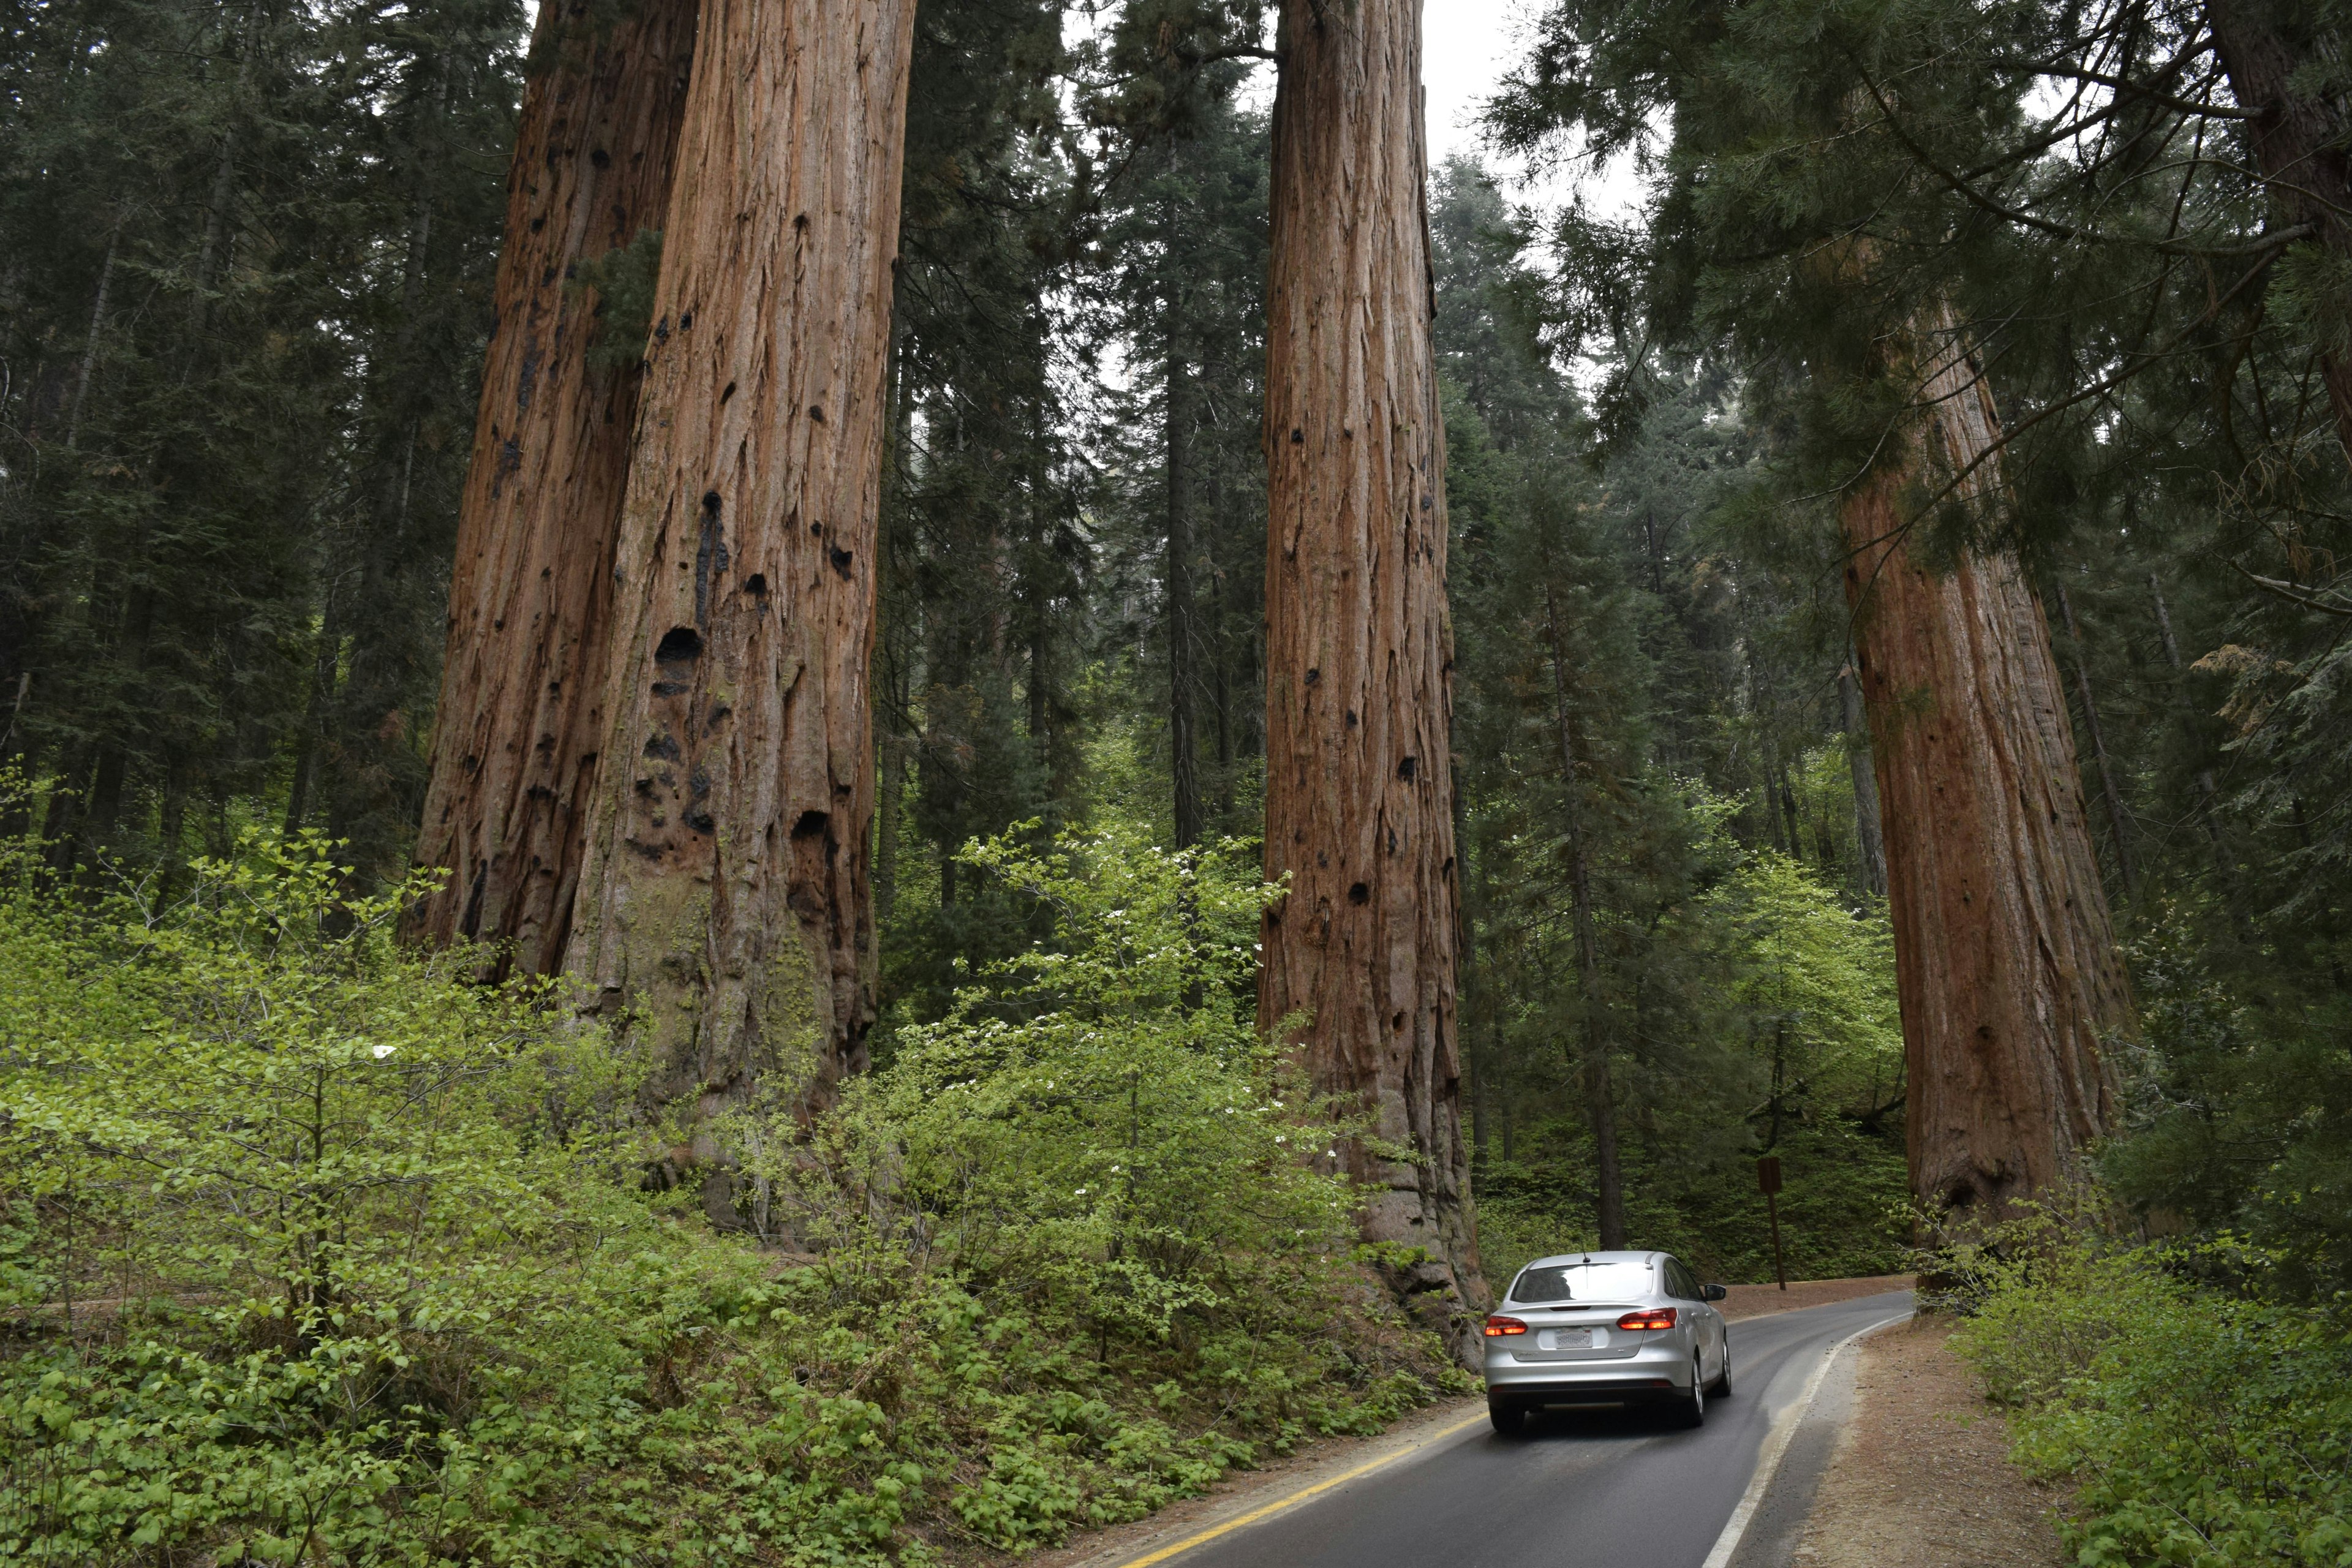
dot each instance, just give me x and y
(1921, 1477)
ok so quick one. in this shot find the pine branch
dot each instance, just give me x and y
(2099, 388)
(2198, 45)
(1960, 186)
(2301, 593)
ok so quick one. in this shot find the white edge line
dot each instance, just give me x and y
(1776, 1446)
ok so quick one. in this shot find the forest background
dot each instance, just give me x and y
(233, 497)
(248, 256)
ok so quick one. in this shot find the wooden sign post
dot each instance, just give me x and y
(1768, 1182)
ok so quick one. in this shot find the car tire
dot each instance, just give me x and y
(1508, 1420)
(1690, 1409)
(1721, 1386)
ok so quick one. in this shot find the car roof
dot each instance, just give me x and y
(1649, 1258)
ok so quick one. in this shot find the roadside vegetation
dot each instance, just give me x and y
(2176, 1345)
(2195, 1415)
(311, 1249)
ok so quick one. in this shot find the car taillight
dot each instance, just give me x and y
(1501, 1325)
(1648, 1317)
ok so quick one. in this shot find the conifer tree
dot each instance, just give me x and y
(2013, 992)
(245, 263)
(726, 893)
(2011, 982)
(1359, 816)
(986, 594)
(522, 693)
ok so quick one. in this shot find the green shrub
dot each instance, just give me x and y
(314, 1251)
(2202, 1429)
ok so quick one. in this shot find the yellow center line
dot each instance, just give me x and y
(1301, 1495)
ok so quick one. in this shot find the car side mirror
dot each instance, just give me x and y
(1713, 1292)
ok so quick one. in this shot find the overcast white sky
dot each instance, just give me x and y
(1466, 46)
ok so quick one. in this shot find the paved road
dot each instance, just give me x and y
(1607, 1490)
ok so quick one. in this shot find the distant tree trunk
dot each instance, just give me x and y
(1359, 644)
(2208, 787)
(89, 345)
(2005, 959)
(891, 686)
(1183, 749)
(522, 706)
(1870, 845)
(1221, 653)
(726, 895)
(172, 825)
(890, 756)
(2299, 133)
(1041, 692)
(1600, 1097)
(2118, 821)
(1789, 813)
(1768, 753)
(325, 660)
(1476, 983)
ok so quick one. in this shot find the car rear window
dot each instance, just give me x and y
(1583, 1282)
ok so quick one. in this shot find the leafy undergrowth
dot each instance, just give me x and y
(313, 1251)
(2203, 1427)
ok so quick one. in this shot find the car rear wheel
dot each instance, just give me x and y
(1721, 1387)
(1691, 1411)
(1508, 1420)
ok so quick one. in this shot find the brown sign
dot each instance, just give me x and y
(1768, 1174)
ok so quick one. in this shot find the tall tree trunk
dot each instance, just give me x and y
(89, 346)
(1221, 653)
(726, 895)
(172, 818)
(2268, 49)
(2118, 821)
(2005, 960)
(1600, 1097)
(891, 755)
(1869, 841)
(1183, 748)
(216, 208)
(1359, 643)
(1476, 998)
(2208, 787)
(326, 658)
(523, 707)
(1789, 813)
(1768, 759)
(890, 694)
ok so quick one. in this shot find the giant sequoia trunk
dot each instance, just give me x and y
(726, 895)
(1359, 645)
(2274, 52)
(522, 688)
(2005, 960)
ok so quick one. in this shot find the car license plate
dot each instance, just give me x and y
(1566, 1340)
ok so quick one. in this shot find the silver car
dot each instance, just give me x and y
(1605, 1328)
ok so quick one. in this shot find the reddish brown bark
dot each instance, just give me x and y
(2011, 983)
(726, 894)
(1359, 644)
(521, 710)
